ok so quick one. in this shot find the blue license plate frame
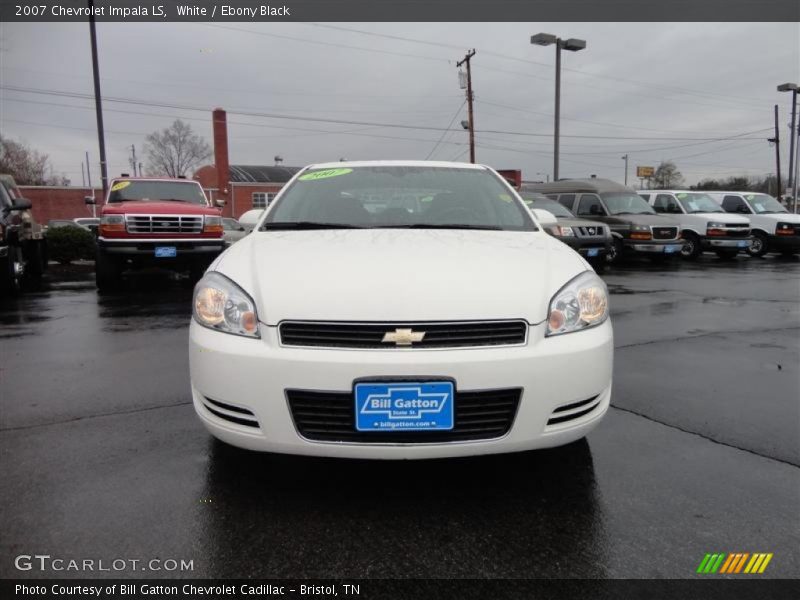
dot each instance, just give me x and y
(387, 406)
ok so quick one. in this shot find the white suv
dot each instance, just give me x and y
(774, 228)
(704, 224)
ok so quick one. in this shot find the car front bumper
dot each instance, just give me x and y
(713, 243)
(145, 247)
(783, 243)
(654, 247)
(254, 374)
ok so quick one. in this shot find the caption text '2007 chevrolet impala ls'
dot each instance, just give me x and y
(400, 310)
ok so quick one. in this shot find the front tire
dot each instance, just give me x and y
(11, 269)
(108, 272)
(34, 263)
(759, 246)
(691, 246)
(614, 252)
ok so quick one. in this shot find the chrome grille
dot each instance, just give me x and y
(164, 223)
(664, 233)
(371, 335)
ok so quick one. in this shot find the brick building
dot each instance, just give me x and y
(243, 187)
(58, 202)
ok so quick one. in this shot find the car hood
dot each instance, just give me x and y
(781, 217)
(152, 207)
(645, 219)
(722, 217)
(400, 275)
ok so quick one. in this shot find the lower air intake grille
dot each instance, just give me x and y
(371, 335)
(575, 410)
(330, 417)
(230, 413)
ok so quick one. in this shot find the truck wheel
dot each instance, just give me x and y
(108, 272)
(34, 262)
(11, 269)
(759, 246)
(614, 253)
(726, 254)
(691, 246)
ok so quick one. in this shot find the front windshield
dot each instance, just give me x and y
(762, 204)
(179, 191)
(553, 207)
(399, 197)
(698, 203)
(625, 203)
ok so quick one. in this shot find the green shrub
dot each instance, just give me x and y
(65, 244)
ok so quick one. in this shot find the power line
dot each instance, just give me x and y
(449, 125)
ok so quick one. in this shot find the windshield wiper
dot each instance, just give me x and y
(694, 212)
(307, 225)
(442, 226)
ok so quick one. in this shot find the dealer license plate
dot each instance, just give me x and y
(671, 248)
(166, 252)
(592, 252)
(744, 244)
(404, 406)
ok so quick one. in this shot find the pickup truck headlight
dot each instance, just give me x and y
(212, 224)
(112, 224)
(220, 304)
(640, 232)
(582, 303)
(784, 229)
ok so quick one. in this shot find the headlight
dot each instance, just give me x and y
(562, 231)
(110, 224)
(716, 225)
(112, 220)
(220, 304)
(580, 304)
(784, 229)
(213, 224)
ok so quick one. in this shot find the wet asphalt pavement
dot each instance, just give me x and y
(101, 455)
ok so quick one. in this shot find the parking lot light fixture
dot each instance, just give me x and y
(573, 45)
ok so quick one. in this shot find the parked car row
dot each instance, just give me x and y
(23, 250)
(662, 223)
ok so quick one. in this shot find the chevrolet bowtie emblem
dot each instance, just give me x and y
(403, 337)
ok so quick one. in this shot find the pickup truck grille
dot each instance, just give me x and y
(371, 335)
(164, 223)
(330, 417)
(737, 230)
(665, 233)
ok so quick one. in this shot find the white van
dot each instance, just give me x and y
(774, 228)
(704, 224)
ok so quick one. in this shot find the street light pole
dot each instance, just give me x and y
(791, 87)
(573, 45)
(625, 158)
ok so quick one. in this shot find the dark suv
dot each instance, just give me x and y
(588, 238)
(23, 253)
(635, 227)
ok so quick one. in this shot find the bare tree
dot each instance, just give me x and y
(667, 176)
(27, 166)
(175, 150)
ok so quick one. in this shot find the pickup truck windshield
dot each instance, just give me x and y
(623, 203)
(698, 203)
(154, 191)
(763, 204)
(396, 196)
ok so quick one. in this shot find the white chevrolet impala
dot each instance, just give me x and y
(399, 310)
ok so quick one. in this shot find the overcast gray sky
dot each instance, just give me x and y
(648, 82)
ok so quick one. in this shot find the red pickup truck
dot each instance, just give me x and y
(154, 222)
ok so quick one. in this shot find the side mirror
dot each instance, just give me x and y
(545, 217)
(89, 200)
(249, 219)
(21, 204)
(219, 202)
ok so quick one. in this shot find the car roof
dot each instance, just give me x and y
(397, 163)
(567, 186)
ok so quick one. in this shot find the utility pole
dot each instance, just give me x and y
(133, 160)
(97, 102)
(777, 141)
(83, 175)
(466, 60)
(625, 158)
(89, 183)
